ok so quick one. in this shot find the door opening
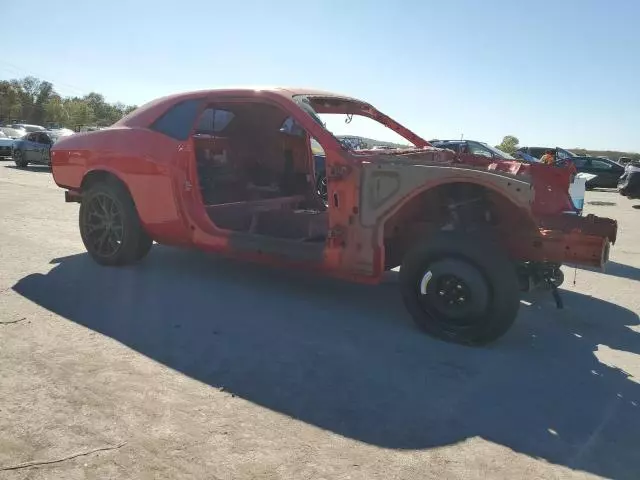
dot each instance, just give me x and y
(255, 172)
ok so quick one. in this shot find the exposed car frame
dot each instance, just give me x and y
(473, 234)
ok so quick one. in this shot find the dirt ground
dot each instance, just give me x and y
(190, 366)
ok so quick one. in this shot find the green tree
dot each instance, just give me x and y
(55, 112)
(33, 94)
(10, 101)
(509, 144)
(80, 113)
(129, 109)
(35, 101)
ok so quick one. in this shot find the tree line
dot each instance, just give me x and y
(511, 143)
(34, 101)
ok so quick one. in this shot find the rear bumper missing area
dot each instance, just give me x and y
(570, 239)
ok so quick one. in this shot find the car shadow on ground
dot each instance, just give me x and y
(618, 270)
(603, 189)
(622, 270)
(31, 168)
(600, 203)
(346, 358)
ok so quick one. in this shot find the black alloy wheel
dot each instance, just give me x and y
(104, 226)
(110, 227)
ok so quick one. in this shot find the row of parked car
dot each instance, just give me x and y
(31, 144)
(603, 172)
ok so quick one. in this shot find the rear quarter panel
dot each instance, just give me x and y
(142, 159)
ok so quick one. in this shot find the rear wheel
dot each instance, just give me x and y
(110, 227)
(18, 158)
(460, 289)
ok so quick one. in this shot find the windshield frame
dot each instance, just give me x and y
(349, 106)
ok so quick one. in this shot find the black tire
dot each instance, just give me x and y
(143, 249)
(124, 240)
(490, 298)
(18, 158)
(558, 277)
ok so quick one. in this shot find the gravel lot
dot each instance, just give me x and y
(191, 366)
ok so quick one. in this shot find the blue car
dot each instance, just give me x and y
(7, 137)
(6, 145)
(34, 148)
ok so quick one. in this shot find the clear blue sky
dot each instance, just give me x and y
(563, 72)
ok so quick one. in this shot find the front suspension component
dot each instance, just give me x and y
(542, 276)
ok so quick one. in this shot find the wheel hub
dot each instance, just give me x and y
(104, 226)
(453, 292)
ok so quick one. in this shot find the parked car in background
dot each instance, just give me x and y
(383, 147)
(13, 132)
(607, 172)
(7, 137)
(87, 128)
(536, 153)
(6, 145)
(624, 160)
(28, 127)
(34, 148)
(473, 150)
(61, 132)
(629, 183)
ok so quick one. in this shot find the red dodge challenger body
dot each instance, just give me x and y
(232, 171)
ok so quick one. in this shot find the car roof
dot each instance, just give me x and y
(148, 112)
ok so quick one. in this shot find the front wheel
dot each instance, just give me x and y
(460, 289)
(110, 227)
(18, 158)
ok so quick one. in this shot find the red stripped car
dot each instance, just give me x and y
(232, 171)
